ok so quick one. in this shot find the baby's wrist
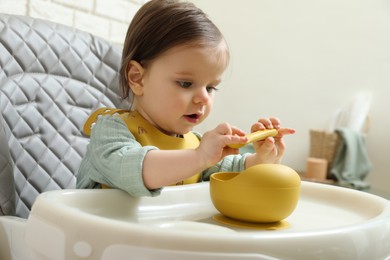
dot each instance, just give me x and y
(203, 159)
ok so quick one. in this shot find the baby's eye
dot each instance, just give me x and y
(211, 89)
(184, 84)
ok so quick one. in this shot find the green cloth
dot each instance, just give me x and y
(351, 164)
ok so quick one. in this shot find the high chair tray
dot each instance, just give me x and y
(329, 222)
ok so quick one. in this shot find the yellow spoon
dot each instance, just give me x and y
(256, 136)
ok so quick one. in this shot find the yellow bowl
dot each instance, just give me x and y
(263, 193)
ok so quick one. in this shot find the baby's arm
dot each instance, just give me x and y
(164, 167)
(271, 149)
(114, 158)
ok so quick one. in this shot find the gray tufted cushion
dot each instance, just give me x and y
(51, 78)
(7, 184)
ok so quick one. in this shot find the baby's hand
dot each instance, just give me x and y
(213, 146)
(271, 149)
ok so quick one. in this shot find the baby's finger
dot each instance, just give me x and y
(275, 122)
(237, 131)
(266, 122)
(224, 129)
(284, 131)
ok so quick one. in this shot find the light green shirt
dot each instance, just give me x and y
(114, 157)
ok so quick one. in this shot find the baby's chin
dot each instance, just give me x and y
(181, 133)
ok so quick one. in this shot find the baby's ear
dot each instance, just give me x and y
(135, 73)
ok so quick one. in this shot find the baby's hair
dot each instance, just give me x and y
(160, 25)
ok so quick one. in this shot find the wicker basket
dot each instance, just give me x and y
(324, 145)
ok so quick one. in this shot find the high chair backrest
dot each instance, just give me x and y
(51, 78)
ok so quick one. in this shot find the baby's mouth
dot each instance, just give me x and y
(194, 116)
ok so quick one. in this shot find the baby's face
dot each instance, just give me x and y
(179, 87)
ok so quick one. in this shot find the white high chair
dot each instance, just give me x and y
(51, 78)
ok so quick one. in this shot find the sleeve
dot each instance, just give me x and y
(114, 158)
(231, 163)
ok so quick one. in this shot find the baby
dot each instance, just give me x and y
(172, 64)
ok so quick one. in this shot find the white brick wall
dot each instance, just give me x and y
(108, 19)
(13, 6)
(50, 11)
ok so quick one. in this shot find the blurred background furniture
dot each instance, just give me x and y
(51, 78)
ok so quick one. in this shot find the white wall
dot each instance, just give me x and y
(302, 60)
